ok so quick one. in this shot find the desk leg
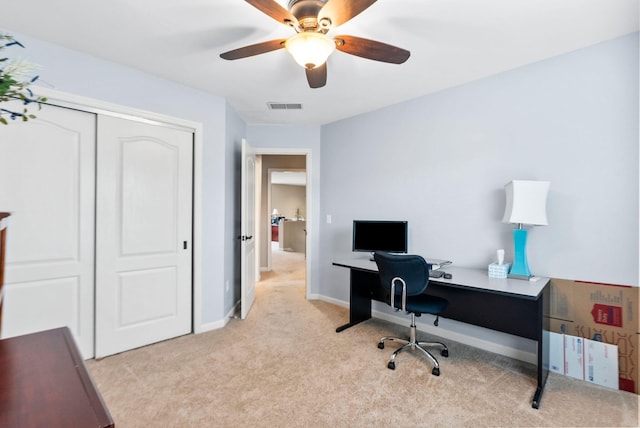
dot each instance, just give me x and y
(346, 326)
(359, 298)
(543, 345)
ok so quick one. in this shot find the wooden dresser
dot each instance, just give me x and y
(44, 383)
(4, 220)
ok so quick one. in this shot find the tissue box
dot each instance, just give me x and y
(499, 271)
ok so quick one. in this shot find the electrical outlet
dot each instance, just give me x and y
(328, 218)
(226, 285)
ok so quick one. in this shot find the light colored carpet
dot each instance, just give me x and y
(284, 366)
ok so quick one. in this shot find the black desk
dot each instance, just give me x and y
(511, 306)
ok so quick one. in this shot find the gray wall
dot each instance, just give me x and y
(441, 162)
(289, 199)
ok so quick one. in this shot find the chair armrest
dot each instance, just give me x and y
(393, 294)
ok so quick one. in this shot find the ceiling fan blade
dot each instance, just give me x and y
(371, 49)
(251, 50)
(274, 10)
(317, 77)
(340, 11)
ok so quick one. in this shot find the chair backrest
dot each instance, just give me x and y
(413, 270)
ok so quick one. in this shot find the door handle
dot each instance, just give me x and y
(244, 237)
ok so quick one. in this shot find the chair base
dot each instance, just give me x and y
(412, 344)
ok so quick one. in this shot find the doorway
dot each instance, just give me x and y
(284, 217)
(287, 203)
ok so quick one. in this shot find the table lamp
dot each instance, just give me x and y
(526, 205)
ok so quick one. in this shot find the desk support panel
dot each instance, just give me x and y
(514, 316)
(361, 292)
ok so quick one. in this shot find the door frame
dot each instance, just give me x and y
(91, 105)
(309, 208)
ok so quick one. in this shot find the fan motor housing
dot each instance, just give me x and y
(306, 11)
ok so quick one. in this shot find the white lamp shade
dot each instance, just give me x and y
(310, 49)
(526, 202)
(275, 211)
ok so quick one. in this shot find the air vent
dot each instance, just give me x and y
(284, 106)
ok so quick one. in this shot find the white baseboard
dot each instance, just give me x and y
(203, 328)
(478, 337)
(331, 300)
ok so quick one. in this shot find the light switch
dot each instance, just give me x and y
(328, 218)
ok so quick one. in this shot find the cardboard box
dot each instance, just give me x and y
(574, 356)
(602, 312)
(601, 363)
(589, 303)
(627, 343)
(556, 352)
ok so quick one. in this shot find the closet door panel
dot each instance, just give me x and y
(144, 223)
(47, 171)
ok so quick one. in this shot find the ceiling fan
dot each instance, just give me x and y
(310, 47)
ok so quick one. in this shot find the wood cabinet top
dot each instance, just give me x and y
(44, 382)
(3, 222)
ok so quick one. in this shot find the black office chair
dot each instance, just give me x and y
(405, 278)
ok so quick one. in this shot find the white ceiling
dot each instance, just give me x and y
(451, 42)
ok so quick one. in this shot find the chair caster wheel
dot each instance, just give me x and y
(380, 345)
(391, 365)
(445, 353)
(435, 371)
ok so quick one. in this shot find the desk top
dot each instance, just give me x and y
(468, 278)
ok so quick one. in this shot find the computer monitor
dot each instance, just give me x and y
(380, 235)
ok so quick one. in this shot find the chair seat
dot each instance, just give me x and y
(405, 273)
(423, 304)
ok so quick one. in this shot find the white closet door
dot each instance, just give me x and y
(143, 234)
(47, 182)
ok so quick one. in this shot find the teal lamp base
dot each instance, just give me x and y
(520, 267)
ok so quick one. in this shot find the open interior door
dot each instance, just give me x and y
(247, 232)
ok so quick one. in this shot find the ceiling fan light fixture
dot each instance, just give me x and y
(310, 49)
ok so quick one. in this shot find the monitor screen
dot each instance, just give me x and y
(379, 235)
